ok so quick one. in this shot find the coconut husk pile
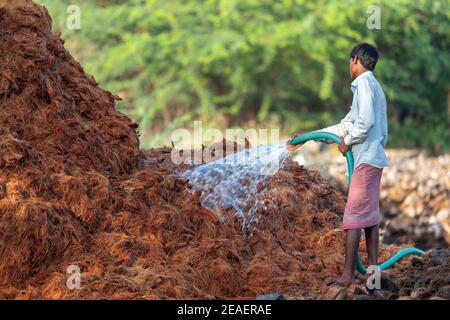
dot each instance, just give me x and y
(76, 190)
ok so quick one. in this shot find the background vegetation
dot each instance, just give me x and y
(268, 63)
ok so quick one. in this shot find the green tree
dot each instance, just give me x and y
(231, 61)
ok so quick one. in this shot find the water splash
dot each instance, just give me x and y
(238, 181)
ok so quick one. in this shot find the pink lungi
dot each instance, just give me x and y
(363, 203)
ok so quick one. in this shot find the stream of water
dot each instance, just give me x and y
(238, 181)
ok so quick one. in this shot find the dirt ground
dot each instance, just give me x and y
(75, 189)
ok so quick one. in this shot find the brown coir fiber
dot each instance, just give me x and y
(76, 190)
(49, 102)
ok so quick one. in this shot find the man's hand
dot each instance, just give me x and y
(290, 147)
(343, 147)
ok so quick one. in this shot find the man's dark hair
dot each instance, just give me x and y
(367, 55)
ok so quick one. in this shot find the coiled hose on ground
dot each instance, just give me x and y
(323, 135)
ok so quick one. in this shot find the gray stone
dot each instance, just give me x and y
(417, 293)
(388, 284)
(384, 295)
(364, 297)
(360, 290)
(420, 283)
(447, 279)
(437, 298)
(444, 292)
(342, 295)
(271, 296)
(438, 256)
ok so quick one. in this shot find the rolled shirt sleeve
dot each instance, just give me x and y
(365, 119)
(345, 124)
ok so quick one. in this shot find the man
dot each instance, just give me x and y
(364, 130)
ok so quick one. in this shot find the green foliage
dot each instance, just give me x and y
(230, 61)
(433, 134)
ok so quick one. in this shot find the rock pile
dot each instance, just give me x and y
(415, 199)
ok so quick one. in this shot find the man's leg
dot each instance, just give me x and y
(351, 249)
(372, 236)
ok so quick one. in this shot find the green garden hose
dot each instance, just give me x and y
(323, 135)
